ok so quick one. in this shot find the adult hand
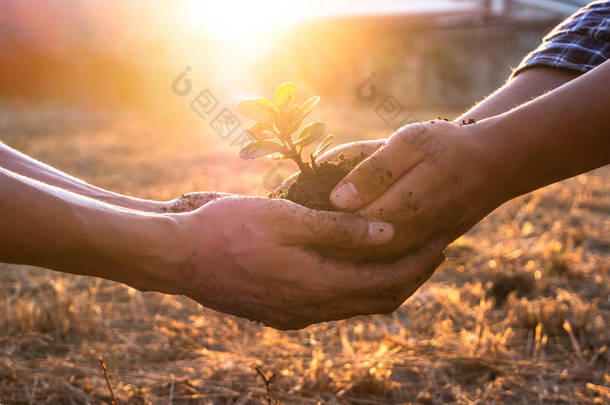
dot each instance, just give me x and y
(430, 180)
(253, 257)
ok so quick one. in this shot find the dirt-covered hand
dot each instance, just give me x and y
(431, 180)
(253, 257)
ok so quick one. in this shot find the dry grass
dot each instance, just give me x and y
(517, 314)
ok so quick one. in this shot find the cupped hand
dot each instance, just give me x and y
(253, 257)
(431, 180)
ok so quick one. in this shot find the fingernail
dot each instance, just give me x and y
(380, 232)
(345, 196)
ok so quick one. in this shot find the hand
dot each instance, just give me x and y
(252, 257)
(431, 180)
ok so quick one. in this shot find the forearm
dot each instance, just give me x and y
(558, 135)
(24, 165)
(521, 89)
(49, 227)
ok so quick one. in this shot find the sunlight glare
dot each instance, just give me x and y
(247, 25)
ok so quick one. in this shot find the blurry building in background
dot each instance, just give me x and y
(440, 52)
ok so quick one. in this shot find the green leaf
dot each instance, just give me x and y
(285, 96)
(308, 106)
(289, 121)
(325, 143)
(259, 109)
(261, 130)
(257, 149)
(311, 133)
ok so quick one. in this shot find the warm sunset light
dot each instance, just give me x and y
(285, 202)
(245, 24)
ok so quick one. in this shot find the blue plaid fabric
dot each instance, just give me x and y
(580, 43)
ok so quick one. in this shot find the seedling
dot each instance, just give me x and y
(276, 135)
(273, 135)
(277, 122)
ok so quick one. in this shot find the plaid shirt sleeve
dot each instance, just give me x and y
(580, 43)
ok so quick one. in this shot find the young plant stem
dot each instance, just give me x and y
(294, 154)
(299, 161)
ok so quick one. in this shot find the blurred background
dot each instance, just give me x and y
(139, 96)
(409, 60)
(124, 54)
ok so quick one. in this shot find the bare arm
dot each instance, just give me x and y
(20, 163)
(556, 136)
(47, 226)
(17, 162)
(438, 178)
(526, 86)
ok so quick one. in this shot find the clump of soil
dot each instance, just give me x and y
(313, 186)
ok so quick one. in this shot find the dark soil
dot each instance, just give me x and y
(313, 186)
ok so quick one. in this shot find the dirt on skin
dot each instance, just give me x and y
(312, 189)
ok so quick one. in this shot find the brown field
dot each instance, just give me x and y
(518, 314)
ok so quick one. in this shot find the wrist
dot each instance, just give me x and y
(162, 254)
(499, 161)
(137, 249)
(198, 254)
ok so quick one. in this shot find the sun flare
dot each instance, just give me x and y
(245, 24)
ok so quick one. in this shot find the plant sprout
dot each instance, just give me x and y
(277, 121)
